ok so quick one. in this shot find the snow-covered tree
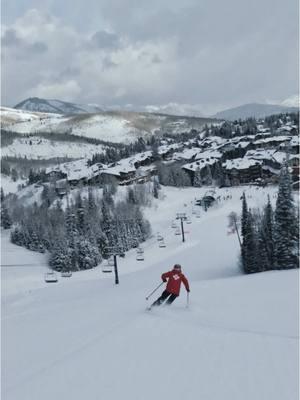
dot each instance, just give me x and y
(286, 233)
(249, 246)
(5, 217)
(266, 239)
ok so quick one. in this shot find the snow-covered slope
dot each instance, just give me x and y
(38, 148)
(84, 337)
(254, 110)
(56, 106)
(112, 126)
(9, 185)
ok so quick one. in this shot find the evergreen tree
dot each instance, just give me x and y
(244, 215)
(156, 187)
(197, 178)
(266, 239)
(218, 176)
(249, 247)
(60, 259)
(208, 178)
(286, 232)
(6, 222)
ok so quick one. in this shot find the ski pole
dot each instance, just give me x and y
(149, 295)
(187, 299)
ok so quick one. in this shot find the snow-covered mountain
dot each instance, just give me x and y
(255, 110)
(110, 126)
(56, 106)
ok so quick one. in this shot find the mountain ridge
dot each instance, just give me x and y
(56, 106)
(256, 110)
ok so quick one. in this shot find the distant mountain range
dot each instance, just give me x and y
(56, 106)
(255, 110)
(108, 126)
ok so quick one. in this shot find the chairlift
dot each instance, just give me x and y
(140, 257)
(139, 250)
(50, 277)
(178, 232)
(162, 244)
(108, 266)
(188, 220)
(198, 215)
(66, 274)
(193, 211)
(174, 225)
(160, 238)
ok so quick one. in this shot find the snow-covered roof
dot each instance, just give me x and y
(200, 164)
(79, 169)
(240, 163)
(214, 154)
(260, 154)
(186, 154)
(168, 147)
(273, 139)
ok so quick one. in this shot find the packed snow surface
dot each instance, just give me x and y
(87, 338)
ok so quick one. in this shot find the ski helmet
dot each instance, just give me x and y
(177, 267)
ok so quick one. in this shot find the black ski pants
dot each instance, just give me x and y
(170, 297)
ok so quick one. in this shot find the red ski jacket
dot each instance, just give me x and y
(174, 281)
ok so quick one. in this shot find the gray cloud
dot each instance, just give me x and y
(106, 40)
(207, 54)
(10, 38)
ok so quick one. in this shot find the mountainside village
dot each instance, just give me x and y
(225, 154)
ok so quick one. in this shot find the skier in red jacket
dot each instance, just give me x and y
(174, 279)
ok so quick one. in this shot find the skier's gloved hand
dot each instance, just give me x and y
(188, 290)
(164, 280)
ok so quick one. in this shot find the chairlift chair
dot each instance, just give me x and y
(139, 250)
(188, 220)
(178, 232)
(50, 277)
(159, 238)
(108, 266)
(174, 225)
(162, 244)
(140, 257)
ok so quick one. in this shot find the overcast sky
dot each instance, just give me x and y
(193, 56)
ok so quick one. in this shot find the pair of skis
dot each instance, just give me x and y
(149, 308)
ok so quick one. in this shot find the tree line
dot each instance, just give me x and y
(87, 230)
(270, 240)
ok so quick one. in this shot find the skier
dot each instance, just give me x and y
(174, 279)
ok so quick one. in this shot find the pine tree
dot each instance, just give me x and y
(218, 176)
(6, 222)
(286, 225)
(249, 247)
(227, 181)
(131, 196)
(156, 187)
(72, 237)
(266, 239)
(244, 215)
(197, 178)
(208, 178)
(60, 259)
